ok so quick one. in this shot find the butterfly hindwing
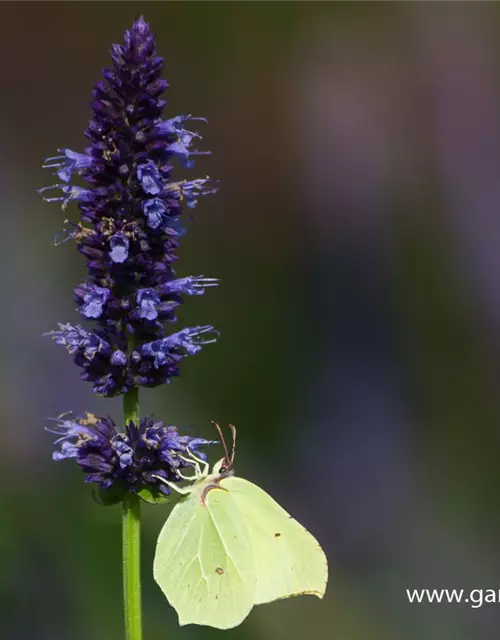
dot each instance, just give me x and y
(203, 561)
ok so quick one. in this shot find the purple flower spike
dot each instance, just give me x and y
(130, 225)
(128, 460)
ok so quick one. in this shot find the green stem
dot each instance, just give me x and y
(131, 527)
(131, 405)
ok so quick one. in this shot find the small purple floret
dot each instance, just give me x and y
(154, 210)
(149, 177)
(186, 341)
(148, 302)
(192, 285)
(68, 163)
(119, 244)
(94, 301)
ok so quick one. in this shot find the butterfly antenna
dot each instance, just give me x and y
(223, 440)
(233, 448)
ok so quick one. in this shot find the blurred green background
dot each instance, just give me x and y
(357, 235)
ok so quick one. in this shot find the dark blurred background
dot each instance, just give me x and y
(357, 235)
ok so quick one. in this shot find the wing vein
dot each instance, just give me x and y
(178, 546)
(221, 538)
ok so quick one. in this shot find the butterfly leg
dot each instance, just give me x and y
(194, 464)
(198, 461)
(192, 477)
(182, 490)
(195, 461)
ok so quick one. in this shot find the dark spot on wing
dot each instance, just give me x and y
(277, 535)
(219, 570)
(216, 597)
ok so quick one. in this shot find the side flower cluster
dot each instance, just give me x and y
(130, 225)
(126, 461)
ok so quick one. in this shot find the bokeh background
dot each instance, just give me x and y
(357, 235)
